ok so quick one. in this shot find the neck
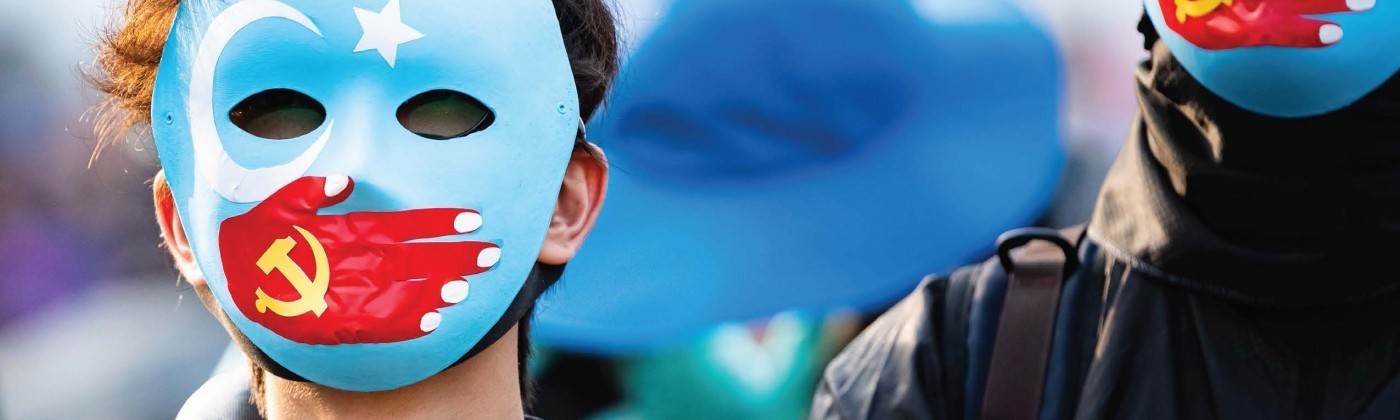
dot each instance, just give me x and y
(484, 386)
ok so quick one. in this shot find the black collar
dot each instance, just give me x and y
(1268, 210)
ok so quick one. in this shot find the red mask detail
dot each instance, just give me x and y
(1229, 24)
(343, 279)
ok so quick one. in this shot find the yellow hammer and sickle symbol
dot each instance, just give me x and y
(313, 292)
(1198, 8)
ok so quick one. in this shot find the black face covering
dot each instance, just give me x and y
(1263, 209)
(541, 278)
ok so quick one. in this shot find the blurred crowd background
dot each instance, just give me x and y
(95, 324)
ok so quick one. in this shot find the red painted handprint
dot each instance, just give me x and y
(342, 279)
(1227, 24)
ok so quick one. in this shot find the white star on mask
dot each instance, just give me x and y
(384, 31)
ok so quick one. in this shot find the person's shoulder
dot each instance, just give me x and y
(896, 366)
(225, 396)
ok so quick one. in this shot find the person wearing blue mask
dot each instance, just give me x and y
(1239, 263)
(369, 195)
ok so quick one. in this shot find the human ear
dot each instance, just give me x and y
(580, 198)
(173, 232)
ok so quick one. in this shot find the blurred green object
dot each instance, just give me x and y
(765, 370)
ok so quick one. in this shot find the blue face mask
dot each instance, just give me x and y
(1283, 58)
(366, 184)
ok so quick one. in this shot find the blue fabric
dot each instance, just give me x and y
(987, 300)
(809, 155)
(1060, 396)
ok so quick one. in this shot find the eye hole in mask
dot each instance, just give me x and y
(278, 114)
(444, 114)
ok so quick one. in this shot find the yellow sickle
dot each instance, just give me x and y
(313, 292)
(1198, 8)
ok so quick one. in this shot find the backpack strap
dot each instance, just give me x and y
(1021, 352)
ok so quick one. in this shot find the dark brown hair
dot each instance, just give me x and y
(129, 53)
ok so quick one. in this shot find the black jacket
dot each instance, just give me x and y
(1237, 267)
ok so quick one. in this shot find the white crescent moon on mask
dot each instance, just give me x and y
(229, 179)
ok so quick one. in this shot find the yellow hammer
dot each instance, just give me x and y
(278, 258)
